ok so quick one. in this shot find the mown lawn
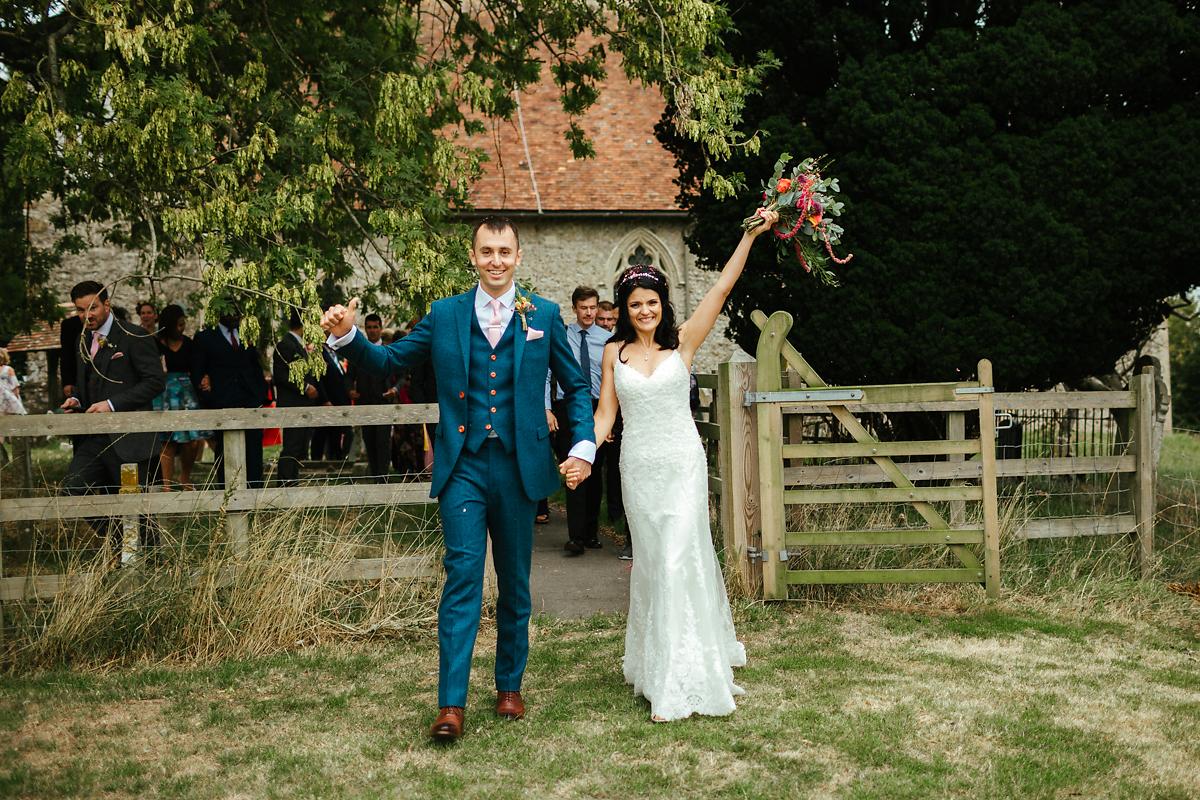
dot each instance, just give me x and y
(996, 701)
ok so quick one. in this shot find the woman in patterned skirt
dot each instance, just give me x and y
(179, 395)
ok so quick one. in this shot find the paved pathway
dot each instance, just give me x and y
(575, 586)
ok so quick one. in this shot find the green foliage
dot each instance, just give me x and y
(1022, 182)
(294, 142)
(1184, 335)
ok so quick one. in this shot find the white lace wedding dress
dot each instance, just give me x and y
(680, 646)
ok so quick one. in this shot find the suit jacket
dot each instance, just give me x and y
(335, 384)
(287, 394)
(127, 372)
(370, 386)
(443, 338)
(236, 374)
(69, 331)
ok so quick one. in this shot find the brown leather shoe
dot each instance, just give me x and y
(510, 705)
(449, 724)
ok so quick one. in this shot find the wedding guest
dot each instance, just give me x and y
(290, 349)
(10, 387)
(372, 389)
(228, 373)
(10, 394)
(606, 315)
(179, 395)
(118, 369)
(587, 341)
(148, 317)
(333, 443)
(70, 330)
(413, 444)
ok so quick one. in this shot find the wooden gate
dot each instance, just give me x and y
(771, 398)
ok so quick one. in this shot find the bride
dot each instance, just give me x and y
(680, 646)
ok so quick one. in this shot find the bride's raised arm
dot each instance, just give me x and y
(693, 332)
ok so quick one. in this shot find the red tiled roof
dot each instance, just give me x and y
(631, 170)
(43, 337)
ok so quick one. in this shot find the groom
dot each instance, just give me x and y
(490, 348)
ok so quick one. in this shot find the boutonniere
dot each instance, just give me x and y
(523, 305)
(103, 340)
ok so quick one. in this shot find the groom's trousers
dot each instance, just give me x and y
(484, 495)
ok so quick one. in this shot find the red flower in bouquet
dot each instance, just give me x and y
(807, 203)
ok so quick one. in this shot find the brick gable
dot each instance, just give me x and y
(630, 172)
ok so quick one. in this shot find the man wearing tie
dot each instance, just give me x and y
(117, 368)
(587, 340)
(227, 373)
(490, 348)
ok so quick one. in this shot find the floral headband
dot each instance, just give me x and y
(640, 271)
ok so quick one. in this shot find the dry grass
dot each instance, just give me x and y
(202, 605)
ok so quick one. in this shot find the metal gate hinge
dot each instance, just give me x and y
(754, 554)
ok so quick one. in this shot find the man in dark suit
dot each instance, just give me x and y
(227, 373)
(333, 443)
(372, 389)
(587, 340)
(69, 331)
(291, 348)
(117, 368)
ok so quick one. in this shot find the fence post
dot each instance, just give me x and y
(769, 376)
(27, 460)
(237, 523)
(991, 514)
(738, 457)
(129, 523)
(1143, 496)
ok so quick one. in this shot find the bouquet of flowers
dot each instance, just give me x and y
(807, 202)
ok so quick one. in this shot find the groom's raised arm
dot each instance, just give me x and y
(387, 359)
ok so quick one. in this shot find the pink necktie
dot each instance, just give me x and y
(495, 328)
(95, 344)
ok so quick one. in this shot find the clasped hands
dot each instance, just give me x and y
(576, 471)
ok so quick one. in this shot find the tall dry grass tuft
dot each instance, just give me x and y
(203, 603)
(1085, 576)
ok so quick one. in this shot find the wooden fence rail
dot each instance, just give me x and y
(237, 501)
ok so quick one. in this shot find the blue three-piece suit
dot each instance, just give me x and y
(491, 464)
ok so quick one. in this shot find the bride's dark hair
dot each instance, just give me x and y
(644, 276)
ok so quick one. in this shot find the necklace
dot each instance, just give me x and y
(645, 357)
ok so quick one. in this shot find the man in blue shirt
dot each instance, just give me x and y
(587, 340)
